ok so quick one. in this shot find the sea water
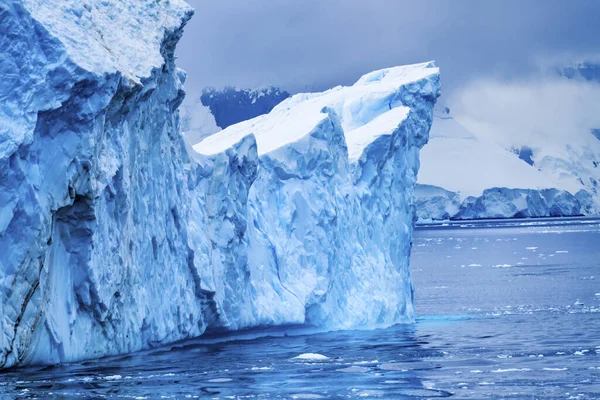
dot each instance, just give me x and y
(507, 309)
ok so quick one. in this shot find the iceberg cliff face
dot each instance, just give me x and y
(92, 176)
(118, 237)
(331, 209)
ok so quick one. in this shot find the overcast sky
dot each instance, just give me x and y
(315, 44)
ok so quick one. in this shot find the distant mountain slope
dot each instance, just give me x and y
(467, 176)
(230, 105)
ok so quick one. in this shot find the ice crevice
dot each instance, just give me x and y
(120, 236)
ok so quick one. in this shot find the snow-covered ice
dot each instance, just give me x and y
(466, 176)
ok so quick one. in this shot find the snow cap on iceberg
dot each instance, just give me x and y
(368, 100)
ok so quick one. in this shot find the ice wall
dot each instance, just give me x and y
(435, 203)
(92, 177)
(117, 237)
(331, 209)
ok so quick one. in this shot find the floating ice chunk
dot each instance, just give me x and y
(220, 380)
(354, 368)
(555, 369)
(311, 357)
(393, 367)
(474, 265)
(261, 368)
(500, 370)
(112, 378)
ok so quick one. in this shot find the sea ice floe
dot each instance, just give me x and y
(354, 368)
(220, 380)
(311, 357)
(500, 370)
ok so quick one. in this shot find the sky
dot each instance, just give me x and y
(312, 45)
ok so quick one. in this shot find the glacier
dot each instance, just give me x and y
(465, 176)
(491, 163)
(117, 236)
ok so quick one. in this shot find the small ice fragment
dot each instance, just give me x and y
(354, 368)
(113, 377)
(561, 251)
(474, 265)
(555, 369)
(220, 380)
(502, 266)
(500, 370)
(531, 248)
(311, 357)
(393, 367)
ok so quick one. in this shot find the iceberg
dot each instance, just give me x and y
(331, 202)
(118, 236)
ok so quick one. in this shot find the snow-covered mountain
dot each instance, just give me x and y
(469, 176)
(219, 108)
(230, 105)
(116, 236)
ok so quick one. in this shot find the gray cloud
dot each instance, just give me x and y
(314, 44)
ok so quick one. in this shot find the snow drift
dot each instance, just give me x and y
(116, 237)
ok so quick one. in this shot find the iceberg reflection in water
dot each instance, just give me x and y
(521, 324)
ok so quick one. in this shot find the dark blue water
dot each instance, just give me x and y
(507, 310)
